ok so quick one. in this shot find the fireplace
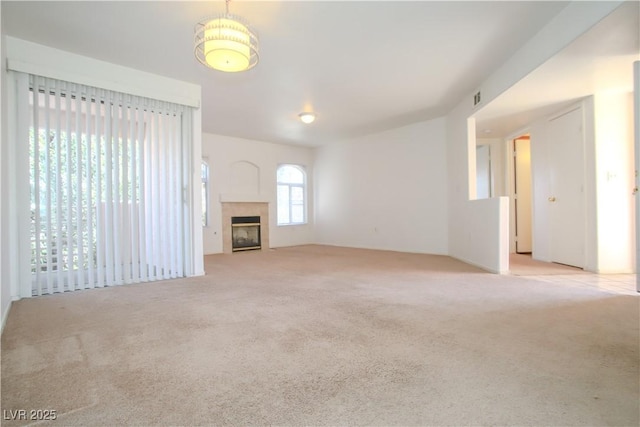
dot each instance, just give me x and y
(245, 233)
(232, 208)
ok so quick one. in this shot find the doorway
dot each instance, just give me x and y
(521, 195)
(546, 169)
(565, 200)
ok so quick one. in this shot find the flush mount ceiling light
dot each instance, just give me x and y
(226, 43)
(307, 117)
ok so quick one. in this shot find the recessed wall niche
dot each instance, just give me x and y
(245, 178)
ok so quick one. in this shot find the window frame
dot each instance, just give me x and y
(290, 185)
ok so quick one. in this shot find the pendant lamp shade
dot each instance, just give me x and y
(226, 43)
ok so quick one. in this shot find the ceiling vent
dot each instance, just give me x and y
(476, 98)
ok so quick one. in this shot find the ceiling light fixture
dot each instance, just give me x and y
(226, 43)
(307, 117)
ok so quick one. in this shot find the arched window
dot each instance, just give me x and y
(291, 181)
(204, 173)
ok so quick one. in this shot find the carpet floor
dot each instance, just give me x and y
(317, 335)
(524, 265)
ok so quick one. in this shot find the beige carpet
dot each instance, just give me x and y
(318, 335)
(525, 265)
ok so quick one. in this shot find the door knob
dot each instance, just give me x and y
(552, 199)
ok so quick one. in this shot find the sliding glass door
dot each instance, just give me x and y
(107, 177)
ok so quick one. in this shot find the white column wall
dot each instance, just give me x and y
(478, 229)
(614, 181)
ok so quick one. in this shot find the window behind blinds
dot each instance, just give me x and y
(108, 175)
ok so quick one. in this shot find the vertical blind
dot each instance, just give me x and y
(108, 175)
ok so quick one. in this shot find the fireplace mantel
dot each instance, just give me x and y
(243, 198)
(244, 208)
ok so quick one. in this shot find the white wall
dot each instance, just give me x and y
(385, 191)
(224, 154)
(614, 182)
(471, 222)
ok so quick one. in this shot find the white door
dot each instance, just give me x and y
(522, 185)
(566, 195)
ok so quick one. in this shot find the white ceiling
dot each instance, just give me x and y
(361, 66)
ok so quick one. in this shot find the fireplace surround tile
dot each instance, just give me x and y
(231, 209)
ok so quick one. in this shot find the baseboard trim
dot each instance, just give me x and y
(372, 248)
(475, 264)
